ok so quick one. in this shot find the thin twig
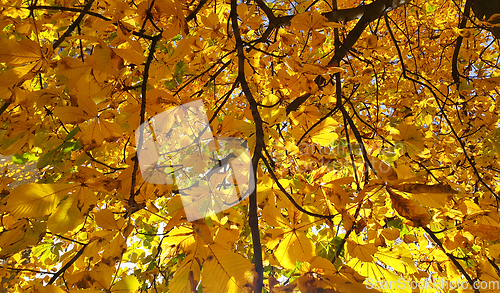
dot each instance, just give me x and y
(451, 257)
(69, 9)
(67, 265)
(72, 27)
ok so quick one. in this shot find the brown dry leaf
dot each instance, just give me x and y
(424, 188)
(484, 227)
(409, 209)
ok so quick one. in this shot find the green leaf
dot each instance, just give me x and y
(19, 159)
(72, 133)
(46, 159)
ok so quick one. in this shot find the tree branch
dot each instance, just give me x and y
(67, 265)
(353, 127)
(492, 262)
(269, 13)
(4, 107)
(295, 104)
(368, 14)
(451, 257)
(352, 13)
(69, 9)
(375, 11)
(259, 145)
(290, 198)
(152, 49)
(458, 45)
(31, 271)
(339, 249)
(101, 163)
(193, 14)
(72, 27)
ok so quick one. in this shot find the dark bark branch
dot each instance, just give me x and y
(193, 14)
(375, 11)
(259, 145)
(101, 163)
(295, 104)
(31, 271)
(67, 265)
(353, 162)
(141, 35)
(290, 197)
(353, 127)
(4, 107)
(68, 9)
(226, 98)
(66, 238)
(492, 262)
(152, 49)
(224, 65)
(72, 27)
(367, 13)
(262, 5)
(332, 112)
(349, 14)
(451, 257)
(458, 45)
(339, 249)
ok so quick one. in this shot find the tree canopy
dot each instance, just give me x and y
(372, 128)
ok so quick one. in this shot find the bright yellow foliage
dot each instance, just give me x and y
(373, 128)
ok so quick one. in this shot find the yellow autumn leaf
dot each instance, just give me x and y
(311, 20)
(72, 115)
(226, 271)
(424, 188)
(363, 252)
(432, 200)
(487, 272)
(375, 273)
(17, 74)
(91, 136)
(66, 217)
(114, 250)
(273, 217)
(49, 289)
(106, 220)
(390, 233)
(128, 284)
(36, 200)
(18, 237)
(295, 247)
(494, 250)
(17, 53)
(130, 55)
(485, 227)
(371, 41)
(324, 136)
(344, 285)
(412, 138)
(398, 259)
(435, 196)
(109, 131)
(187, 276)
